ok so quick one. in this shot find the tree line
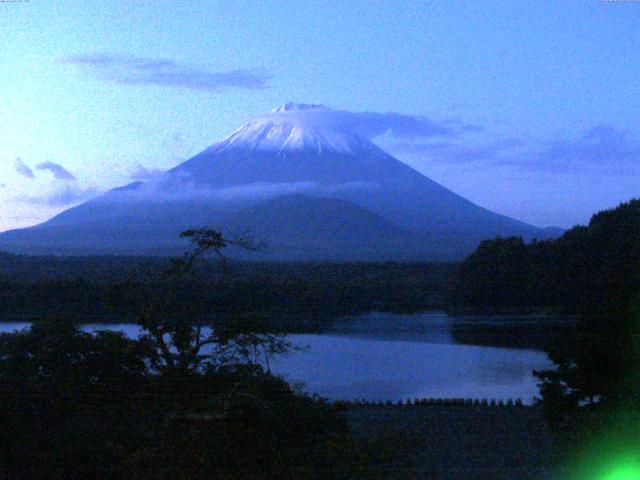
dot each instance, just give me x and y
(298, 294)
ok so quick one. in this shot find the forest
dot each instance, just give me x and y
(299, 294)
(564, 275)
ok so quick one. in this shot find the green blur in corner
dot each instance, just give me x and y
(625, 471)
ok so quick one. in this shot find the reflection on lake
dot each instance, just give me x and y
(382, 357)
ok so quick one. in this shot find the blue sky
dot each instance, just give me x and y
(90, 91)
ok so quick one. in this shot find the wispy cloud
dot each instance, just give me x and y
(63, 196)
(398, 125)
(141, 173)
(182, 187)
(451, 152)
(58, 171)
(24, 169)
(126, 70)
(373, 124)
(601, 148)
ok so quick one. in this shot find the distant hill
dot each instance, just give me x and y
(299, 227)
(312, 189)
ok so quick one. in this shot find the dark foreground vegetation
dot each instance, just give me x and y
(77, 406)
(179, 402)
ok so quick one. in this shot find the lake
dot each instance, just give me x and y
(382, 356)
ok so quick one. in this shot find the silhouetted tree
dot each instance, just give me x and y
(599, 363)
(184, 341)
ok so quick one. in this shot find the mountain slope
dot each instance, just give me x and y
(267, 173)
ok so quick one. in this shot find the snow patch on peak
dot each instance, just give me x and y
(298, 107)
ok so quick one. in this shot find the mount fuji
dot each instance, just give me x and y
(309, 187)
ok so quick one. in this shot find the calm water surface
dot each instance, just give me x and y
(391, 357)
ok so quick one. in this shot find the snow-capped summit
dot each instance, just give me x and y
(295, 127)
